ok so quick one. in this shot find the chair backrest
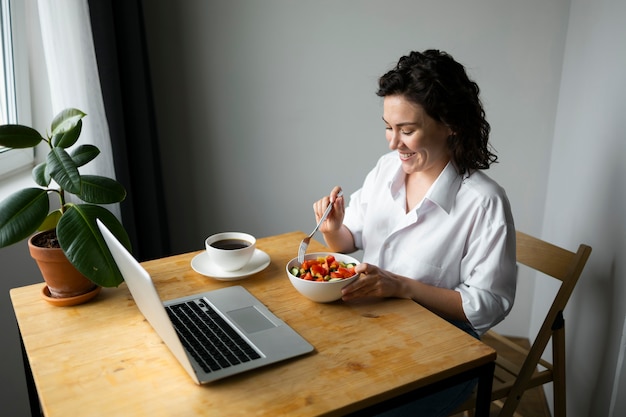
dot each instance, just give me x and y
(558, 263)
(550, 259)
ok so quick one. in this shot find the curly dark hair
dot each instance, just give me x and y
(435, 81)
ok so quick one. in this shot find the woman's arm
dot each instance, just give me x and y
(375, 282)
(340, 240)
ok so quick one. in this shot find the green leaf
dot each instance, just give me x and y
(84, 154)
(21, 214)
(19, 137)
(101, 190)
(63, 170)
(51, 221)
(40, 175)
(84, 245)
(66, 120)
(69, 137)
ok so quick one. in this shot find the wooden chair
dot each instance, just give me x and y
(511, 380)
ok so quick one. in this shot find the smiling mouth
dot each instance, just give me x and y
(404, 156)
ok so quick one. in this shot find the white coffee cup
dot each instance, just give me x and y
(230, 251)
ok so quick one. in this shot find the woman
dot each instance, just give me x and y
(432, 225)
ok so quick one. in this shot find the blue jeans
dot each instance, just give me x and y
(439, 404)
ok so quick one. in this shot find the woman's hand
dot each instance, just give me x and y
(374, 282)
(335, 218)
(337, 236)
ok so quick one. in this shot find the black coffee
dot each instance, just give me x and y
(230, 244)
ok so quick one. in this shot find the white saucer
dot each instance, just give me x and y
(203, 265)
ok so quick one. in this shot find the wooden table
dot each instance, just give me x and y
(103, 359)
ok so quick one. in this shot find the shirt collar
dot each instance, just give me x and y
(443, 191)
(445, 188)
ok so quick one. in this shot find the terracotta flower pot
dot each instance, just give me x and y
(63, 280)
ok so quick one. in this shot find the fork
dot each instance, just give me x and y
(305, 242)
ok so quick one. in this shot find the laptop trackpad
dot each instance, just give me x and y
(250, 319)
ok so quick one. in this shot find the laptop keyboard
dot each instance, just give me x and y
(212, 342)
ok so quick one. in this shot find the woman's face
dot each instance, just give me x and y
(421, 141)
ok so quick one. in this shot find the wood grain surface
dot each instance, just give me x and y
(103, 358)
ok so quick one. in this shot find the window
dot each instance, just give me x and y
(13, 79)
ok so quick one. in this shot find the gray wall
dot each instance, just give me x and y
(263, 106)
(586, 201)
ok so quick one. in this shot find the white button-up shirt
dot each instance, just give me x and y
(461, 236)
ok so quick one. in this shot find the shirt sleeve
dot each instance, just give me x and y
(354, 217)
(489, 276)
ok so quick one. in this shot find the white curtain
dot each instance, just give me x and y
(73, 76)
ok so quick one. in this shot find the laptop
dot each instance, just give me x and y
(214, 334)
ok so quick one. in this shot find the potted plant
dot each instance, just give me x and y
(71, 227)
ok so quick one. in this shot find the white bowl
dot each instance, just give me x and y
(320, 291)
